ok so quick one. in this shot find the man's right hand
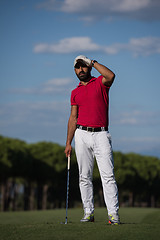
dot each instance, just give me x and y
(68, 150)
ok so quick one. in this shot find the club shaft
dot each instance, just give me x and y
(67, 188)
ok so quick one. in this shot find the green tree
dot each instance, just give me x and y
(148, 169)
(14, 164)
(129, 180)
(5, 166)
(42, 155)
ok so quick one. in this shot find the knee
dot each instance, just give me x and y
(85, 179)
(109, 177)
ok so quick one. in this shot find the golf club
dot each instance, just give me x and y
(66, 220)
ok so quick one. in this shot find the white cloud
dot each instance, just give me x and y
(35, 121)
(137, 118)
(92, 5)
(148, 145)
(114, 48)
(50, 5)
(129, 5)
(141, 139)
(145, 46)
(32, 113)
(137, 46)
(56, 85)
(67, 45)
(57, 82)
(104, 5)
(143, 9)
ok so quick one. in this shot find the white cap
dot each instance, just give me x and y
(82, 58)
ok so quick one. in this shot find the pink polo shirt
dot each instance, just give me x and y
(92, 101)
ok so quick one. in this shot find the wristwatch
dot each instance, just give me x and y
(93, 62)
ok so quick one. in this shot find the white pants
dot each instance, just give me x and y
(98, 144)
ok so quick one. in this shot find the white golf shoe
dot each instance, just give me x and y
(88, 217)
(114, 219)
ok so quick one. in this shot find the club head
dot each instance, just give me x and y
(64, 222)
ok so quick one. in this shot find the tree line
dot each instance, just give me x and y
(33, 176)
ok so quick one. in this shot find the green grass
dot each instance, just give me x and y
(137, 223)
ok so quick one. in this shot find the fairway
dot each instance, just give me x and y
(137, 223)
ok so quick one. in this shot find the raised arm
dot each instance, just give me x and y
(108, 75)
(71, 129)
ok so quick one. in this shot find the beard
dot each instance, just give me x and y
(84, 76)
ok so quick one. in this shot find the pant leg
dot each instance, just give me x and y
(104, 157)
(85, 159)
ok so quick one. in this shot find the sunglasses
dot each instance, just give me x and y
(78, 65)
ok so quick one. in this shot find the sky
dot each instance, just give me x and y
(38, 43)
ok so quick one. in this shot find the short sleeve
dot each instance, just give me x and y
(73, 102)
(99, 79)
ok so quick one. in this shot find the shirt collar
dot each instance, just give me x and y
(91, 80)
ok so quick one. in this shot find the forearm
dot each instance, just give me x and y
(71, 130)
(105, 72)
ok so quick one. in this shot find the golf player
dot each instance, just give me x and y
(88, 122)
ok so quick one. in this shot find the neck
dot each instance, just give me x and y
(86, 81)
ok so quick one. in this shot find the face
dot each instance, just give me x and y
(83, 72)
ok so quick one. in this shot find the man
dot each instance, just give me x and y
(89, 123)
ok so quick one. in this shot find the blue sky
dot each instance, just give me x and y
(38, 43)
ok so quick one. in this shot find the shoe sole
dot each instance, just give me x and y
(87, 221)
(111, 223)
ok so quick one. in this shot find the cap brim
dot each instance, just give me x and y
(80, 61)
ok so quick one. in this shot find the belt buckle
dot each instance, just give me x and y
(90, 129)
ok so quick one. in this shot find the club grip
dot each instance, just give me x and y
(69, 160)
